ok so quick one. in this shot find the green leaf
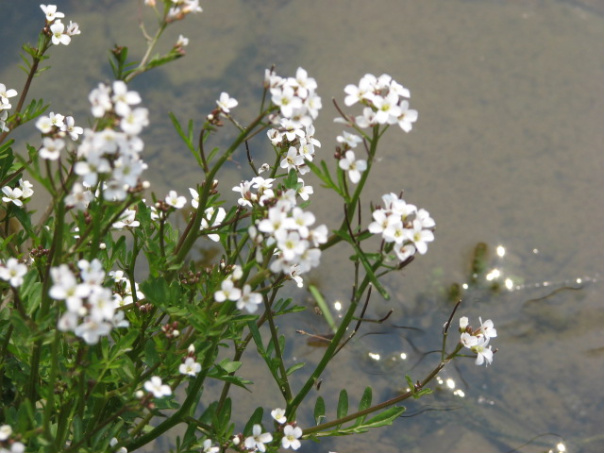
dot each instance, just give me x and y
(343, 404)
(384, 418)
(255, 419)
(229, 366)
(324, 307)
(319, 412)
(294, 368)
(365, 399)
(364, 404)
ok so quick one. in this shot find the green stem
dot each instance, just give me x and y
(185, 245)
(384, 404)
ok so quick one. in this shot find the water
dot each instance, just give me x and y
(507, 150)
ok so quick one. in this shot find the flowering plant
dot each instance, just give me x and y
(94, 360)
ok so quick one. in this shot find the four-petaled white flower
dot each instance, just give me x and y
(257, 440)
(172, 199)
(59, 36)
(190, 367)
(227, 291)
(249, 300)
(4, 95)
(353, 166)
(226, 103)
(279, 415)
(13, 272)
(291, 434)
(155, 386)
(51, 12)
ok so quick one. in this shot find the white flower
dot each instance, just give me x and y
(51, 148)
(172, 199)
(13, 272)
(279, 415)
(258, 439)
(463, 323)
(73, 29)
(190, 367)
(155, 386)
(100, 100)
(73, 130)
(407, 117)
(353, 166)
(133, 122)
(91, 330)
(5, 94)
(352, 140)
(218, 219)
(123, 99)
(79, 198)
(182, 41)
(51, 12)
(419, 236)
(483, 354)
(487, 328)
(58, 33)
(227, 291)
(3, 118)
(12, 195)
(127, 219)
(226, 103)
(290, 438)
(249, 300)
(292, 160)
(5, 432)
(208, 448)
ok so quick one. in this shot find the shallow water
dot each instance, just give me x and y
(508, 150)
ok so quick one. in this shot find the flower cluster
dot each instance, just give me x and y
(8, 445)
(288, 228)
(408, 228)
(92, 310)
(291, 431)
(348, 161)
(55, 127)
(477, 340)
(385, 102)
(179, 8)
(18, 195)
(245, 298)
(59, 33)
(299, 105)
(108, 155)
(123, 294)
(5, 105)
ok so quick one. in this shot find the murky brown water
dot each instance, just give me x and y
(509, 149)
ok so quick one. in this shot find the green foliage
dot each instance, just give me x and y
(89, 355)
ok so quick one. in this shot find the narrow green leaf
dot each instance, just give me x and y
(343, 404)
(294, 368)
(384, 418)
(255, 419)
(324, 307)
(319, 412)
(366, 399)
